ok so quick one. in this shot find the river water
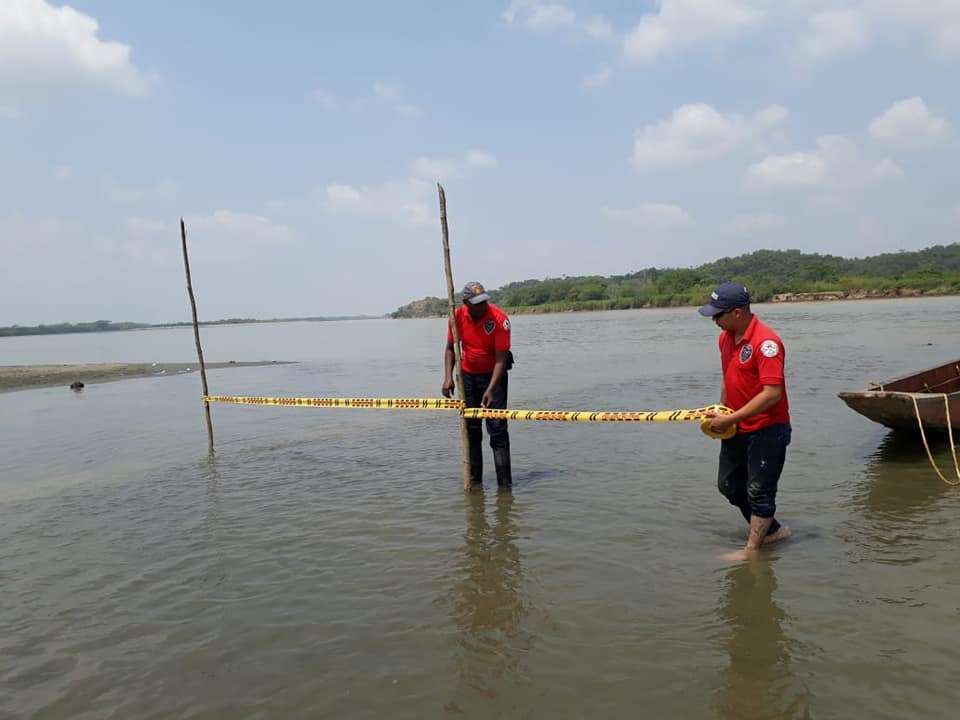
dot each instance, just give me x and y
(328, 564)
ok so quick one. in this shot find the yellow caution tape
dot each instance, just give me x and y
(374, 403)
(701, 415)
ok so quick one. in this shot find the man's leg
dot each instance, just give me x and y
(500, 437)
(732, 474)
(473, 389)
(766, 454)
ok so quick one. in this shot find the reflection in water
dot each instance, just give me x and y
(898, 505)
(487, 602)
(901, 482)
(758, 682)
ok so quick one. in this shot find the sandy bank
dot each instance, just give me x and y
(23, 377)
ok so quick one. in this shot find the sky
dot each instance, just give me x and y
(302, 144)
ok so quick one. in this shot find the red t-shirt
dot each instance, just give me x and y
(481, 339)
(757, 360)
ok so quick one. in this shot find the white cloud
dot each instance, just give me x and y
(794, 170)
(757, 223)
(651, 216)
(388, 91)
(380, 94)
(887, 169)
(148, 225)
(599, 27)
(343, 195)
(596, 79)
(408, 110)
(539, 16)
(909, 125)
(410, 200)
(834, 33)
(835, 165)
(44, 48)
(939, 20)
(481, 159)
(239, 229)
(678, 24)
(406, 200)
(393, 94)
(63, 172)
(163, 190)
(698, 132)
(434, 168)
(327, 99)
(771, 116)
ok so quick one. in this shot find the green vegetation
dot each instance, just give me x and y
(767, 273)
(108, 326)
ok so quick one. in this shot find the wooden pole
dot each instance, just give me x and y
(464, 437)
(196, 336)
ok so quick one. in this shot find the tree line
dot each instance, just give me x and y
(766, 273)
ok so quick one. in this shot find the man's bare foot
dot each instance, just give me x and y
(781, 534)
(736, 556)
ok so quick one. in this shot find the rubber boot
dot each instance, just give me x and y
(501, 460)
(476, 464)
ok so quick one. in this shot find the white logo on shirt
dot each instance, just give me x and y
(769, 348)
(506, 324)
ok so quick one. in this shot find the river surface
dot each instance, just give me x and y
(328, 564)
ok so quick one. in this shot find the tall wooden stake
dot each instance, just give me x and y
(464, 437)
(196, 336)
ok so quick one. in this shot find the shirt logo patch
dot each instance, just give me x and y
(489, 326)
(769, 348)
(746, 352)
(506, 324)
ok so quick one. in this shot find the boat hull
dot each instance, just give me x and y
(896, 410)
(892, 403)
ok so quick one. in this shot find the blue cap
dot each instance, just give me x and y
(726, 297)
(473, 293)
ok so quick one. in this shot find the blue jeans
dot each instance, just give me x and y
(750, 467)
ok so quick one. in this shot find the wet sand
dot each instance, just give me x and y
(23, 377)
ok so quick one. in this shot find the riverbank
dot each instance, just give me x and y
(25, 377)
(635, 304)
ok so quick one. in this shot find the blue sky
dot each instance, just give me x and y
(302, 142)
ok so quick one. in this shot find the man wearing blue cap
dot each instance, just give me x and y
(753, 360)
(485, 357)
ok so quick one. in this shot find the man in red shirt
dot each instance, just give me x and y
(485, 358)
(753, 358)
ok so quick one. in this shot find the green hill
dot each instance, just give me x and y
(769, 274)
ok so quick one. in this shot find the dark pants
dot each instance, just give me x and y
(750, 467)
(474, 386)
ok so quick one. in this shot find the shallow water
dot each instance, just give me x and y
(328, 564)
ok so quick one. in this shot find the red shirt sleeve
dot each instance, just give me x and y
(770, 362)
(501, 336)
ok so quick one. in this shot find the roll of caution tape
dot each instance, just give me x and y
(700, 415)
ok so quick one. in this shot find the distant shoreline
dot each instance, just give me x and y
(102, 326)
(780, 298)
(27, 377)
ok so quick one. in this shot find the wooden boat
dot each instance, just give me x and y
(891, 403)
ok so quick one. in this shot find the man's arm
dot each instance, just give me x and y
(499, 368)
(770, 395)
(449, 360)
